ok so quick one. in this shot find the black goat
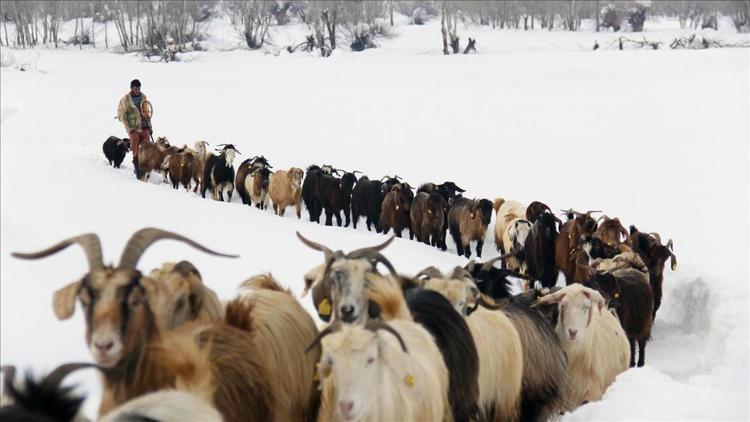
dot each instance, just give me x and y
(44, 400)
(540, 250)
(310, 193)
(335, 195)
(654, 255)
(115, 150)
(367, 200)
(218, 173)
(629, 293)
(428, 216)
(452, 336)
(449, 191)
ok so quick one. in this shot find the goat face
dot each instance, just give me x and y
(657, 257)
(180, 294)
(585, 224)
(347, 182)
(116, 311)
(460, 293)
(295, 174)
(229, 156)
(450, 190)
(575, 305)
(607, 285)
(484, 208)
(124, 144)
(162, 142)
(200, 147)
(610, 230)
(348, 285)
(546, 226)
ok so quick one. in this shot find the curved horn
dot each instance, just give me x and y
(670, 245)
(571, 211)
(600, 219)
(589, 212)
(470, 266)
(374, 257)
(377, 248)
(89, 242)
(397, 177)
(488, 264)
(374, 326)
(429, 272)
(144, 238)
(328, 330)
(355, 172)
(384, 178)
(317, 246)
(656, 236)
(54, 378)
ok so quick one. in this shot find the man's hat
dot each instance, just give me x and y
(135, 83)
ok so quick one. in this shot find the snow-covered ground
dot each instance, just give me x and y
(657, 138)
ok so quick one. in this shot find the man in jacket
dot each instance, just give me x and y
(131, 115)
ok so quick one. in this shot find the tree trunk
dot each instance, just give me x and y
(445, 34)
(391, 12)
(596, 13)
(106, 38)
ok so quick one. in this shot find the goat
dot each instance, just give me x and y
(468, 220)
(151, 156)
(535, 209)
(43, 400)
(218, 173)
(243, 172)
(180, 168)
(258, 184)
(115, 150)
(356, 292)
(367, 200)
(335, 195)
(395, 211)
(286, 190)
(399, 375)
(609, 232)
(627, 290)
(224, 357)
(566, 245)
(654, 255)
(179, 296)
(590, 248)
(449, 191)
(595, 343)
(199, 163)
(310, 193)
(505, 212)
(545, 379)
(514, 239)
(166, 406)
(540, 250)
(498, 346)
(428, 218)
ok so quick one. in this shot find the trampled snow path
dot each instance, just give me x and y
(659, 139)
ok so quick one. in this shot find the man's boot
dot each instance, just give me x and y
(135, 166)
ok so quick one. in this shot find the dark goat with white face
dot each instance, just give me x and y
(345, 278)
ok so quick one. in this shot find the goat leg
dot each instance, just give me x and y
(641, 352)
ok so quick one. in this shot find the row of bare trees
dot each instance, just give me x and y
(143, 25)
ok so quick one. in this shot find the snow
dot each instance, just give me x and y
(657, 138)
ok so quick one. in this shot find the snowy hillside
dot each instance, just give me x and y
(658, 138)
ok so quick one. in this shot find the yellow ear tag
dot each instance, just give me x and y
(617, 295)
(429, 211)
(409, 380)
(324, 307)
(397, 207)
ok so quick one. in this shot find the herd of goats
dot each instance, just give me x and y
(431, 346)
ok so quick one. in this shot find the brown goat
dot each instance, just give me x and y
(151, 156)
(201, 155)
(395, 210)
(468, 220)
(427, 218)
(139, 358)
(566, 244)
(180, 169)
(286, 190)
(609, 232)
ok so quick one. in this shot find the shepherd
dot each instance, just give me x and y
(134, 111)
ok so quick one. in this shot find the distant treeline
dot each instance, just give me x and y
(180, 25)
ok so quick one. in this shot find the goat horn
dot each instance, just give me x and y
(656, 236)
(397, 177)
(571, 211)
(54, 378)
(374, 257)
(600, 219)
(460, 272)
(589, 212)
(670, 245)
(144, 238)
(470, 266)
(374, 326)
(376, 248)
(429, 272)
(355, 172)
(89, 242)
(488, 264)
(328, 330)
(317, 246)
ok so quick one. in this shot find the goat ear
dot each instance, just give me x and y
(550, 299)
(64, 300)
(597, 299)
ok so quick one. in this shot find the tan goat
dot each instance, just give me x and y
(286, 190)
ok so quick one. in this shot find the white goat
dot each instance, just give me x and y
(505, 212)
(595, 343)
(382, 372)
